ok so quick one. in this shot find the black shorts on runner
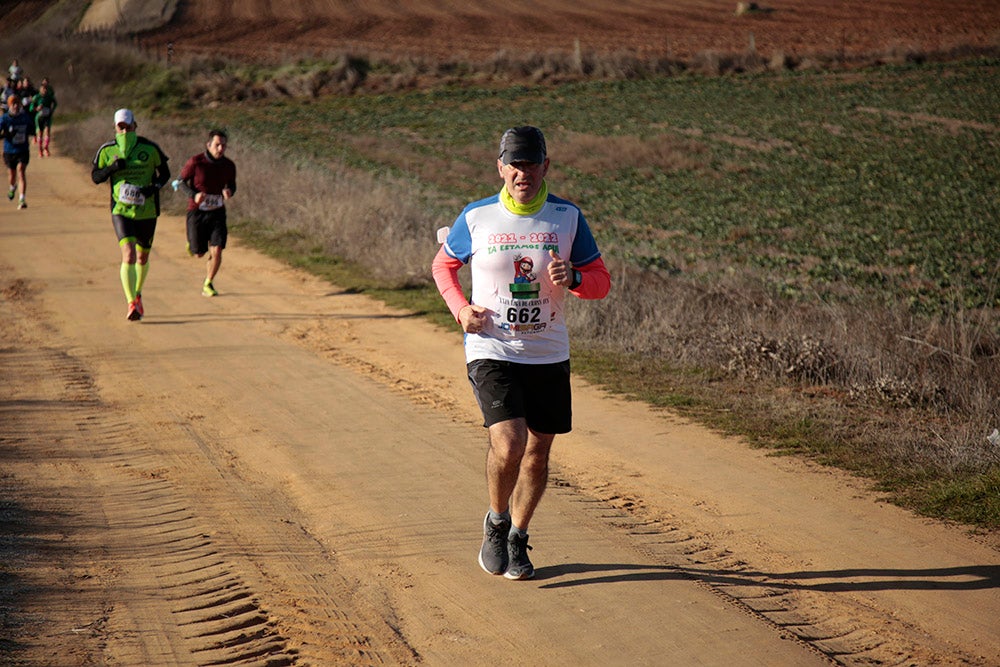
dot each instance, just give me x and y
(140, 230)
(540, 393)
(206, 228)
(12, 159)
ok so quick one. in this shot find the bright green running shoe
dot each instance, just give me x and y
(208, 289)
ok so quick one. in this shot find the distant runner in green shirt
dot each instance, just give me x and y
(43, 107)
(137, 169)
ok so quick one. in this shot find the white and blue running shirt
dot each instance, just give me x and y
(509, 257)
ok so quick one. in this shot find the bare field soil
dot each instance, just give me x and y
(455, 29)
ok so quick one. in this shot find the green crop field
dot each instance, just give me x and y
(878, 184)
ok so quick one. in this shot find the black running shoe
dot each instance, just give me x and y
(493, 554)
(519, 566)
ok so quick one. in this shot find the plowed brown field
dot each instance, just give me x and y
(681, 28)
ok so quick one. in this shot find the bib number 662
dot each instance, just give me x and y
(524, 315)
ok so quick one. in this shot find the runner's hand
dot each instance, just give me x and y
(560, 271)
(473, 318)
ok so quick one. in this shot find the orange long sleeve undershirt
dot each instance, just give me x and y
(596, 281)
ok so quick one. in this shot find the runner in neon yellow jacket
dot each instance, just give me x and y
(137, 169)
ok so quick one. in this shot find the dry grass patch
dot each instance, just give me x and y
(940, 373)
(598, 155)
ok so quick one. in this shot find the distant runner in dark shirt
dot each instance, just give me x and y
(43, 106)
(16, 126)
(209, 181)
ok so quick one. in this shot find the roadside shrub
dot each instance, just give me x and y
(870, 358)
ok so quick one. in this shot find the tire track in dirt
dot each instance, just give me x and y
(173, 542)
(169, 576)
(290, 568)
(142, 517)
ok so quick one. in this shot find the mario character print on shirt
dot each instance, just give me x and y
(524, 310)
(524, 285)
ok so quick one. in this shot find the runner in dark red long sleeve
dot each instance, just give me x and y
(209, 181)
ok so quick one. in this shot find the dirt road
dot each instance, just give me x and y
(289, 474)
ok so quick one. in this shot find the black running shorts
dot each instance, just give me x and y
(140, 230)
(206, 228)
(540, 393)
(11, 160)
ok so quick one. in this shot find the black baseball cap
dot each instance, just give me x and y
(522, 144)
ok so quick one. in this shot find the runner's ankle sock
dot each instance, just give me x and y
(141, 271)
(128, 280)
(514, 530)
(498, 518)
(45, 143)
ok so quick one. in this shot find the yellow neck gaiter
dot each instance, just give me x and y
(533, 206)
(126, 142)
